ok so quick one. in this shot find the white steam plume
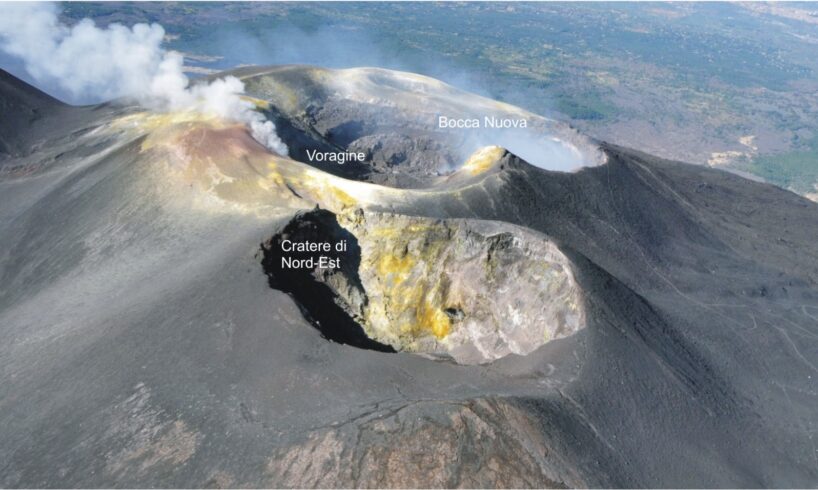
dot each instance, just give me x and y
(121, 62)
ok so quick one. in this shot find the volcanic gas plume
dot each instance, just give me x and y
(121, 61)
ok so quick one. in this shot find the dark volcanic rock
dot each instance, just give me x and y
(142, 345)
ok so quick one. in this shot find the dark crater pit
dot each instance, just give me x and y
(310, 287)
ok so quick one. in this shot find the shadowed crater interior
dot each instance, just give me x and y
(313, 287)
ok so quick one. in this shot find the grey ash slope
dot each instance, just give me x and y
(30, 118)
(20, 108)
(701, 362)
(141, 346)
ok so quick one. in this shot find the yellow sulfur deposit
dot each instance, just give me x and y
(400, 269)
(432, 286)
(221, 158)
(430, 317)
(426, 285)
(483, 159)
(258, 103)
(393, 268)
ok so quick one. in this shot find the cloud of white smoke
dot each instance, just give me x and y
(121, 62)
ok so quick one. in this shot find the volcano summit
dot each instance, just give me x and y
(523, 307)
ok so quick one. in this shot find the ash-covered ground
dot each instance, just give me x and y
(631, 322)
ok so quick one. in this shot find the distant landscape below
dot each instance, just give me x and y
(727, 85)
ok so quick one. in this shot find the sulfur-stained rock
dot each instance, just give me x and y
(470, 290)
(473, 290)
